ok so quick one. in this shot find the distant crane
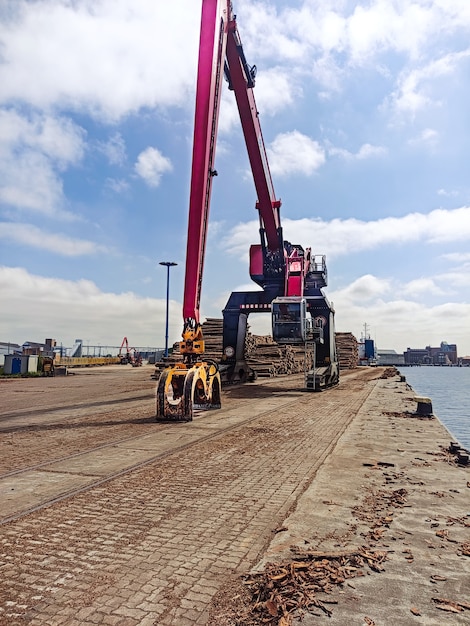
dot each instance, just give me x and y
(130, 355)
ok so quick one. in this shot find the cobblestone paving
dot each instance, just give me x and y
(155, 545)
(42, 419)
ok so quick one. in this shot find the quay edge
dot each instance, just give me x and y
(387, 448)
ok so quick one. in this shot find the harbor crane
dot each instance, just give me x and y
(291, 277)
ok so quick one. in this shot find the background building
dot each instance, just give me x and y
(446, 354)
(389, 357)
(8, 348)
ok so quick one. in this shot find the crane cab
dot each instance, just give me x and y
(289, 320)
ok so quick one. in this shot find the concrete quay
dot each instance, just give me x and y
(386, 450)
(167, 541)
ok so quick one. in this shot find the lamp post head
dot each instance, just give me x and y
(168, 263)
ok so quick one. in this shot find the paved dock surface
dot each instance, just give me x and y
(110, 518)
(390, 487)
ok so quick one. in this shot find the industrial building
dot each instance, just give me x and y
(8, 348)
(445, 354)
(389, 358)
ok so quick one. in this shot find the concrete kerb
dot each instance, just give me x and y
(380, 452)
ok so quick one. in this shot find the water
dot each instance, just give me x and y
(449, 390)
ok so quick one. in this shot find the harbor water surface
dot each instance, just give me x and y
(449, 390)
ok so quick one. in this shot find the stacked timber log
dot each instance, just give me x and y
(268, 358)
(262, 354)
(348, 353)
(212, 331)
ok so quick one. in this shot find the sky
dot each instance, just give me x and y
(365, 116)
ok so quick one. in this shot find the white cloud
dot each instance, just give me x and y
(340, 237)
(329, 75)
(400, 323)
(318, 26)
(294, 153)
(229, 117)
(424, 286)
(395, 322)
(65, 309)
(57, 243)
(114, 149)
(33, 150)
(98, 68)
(457, 280)
(275, 90)
(366, 288)
(449, 194)
(30, 183)
(457, 257)
(266, 33)
(57, 138)
(403, 27)
(415, 91)
(366, 151)
(331, 40)
(107, 58)
(35, 307)
(428, 137)
(151, 165)
(117, 185)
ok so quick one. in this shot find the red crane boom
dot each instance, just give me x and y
(212, 47)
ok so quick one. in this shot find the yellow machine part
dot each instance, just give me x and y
(193, 341)
(182, 389)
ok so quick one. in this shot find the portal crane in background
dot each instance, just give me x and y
(291, 278)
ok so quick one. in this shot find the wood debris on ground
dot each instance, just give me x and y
(451, 606)
(390, 372)
(290, 589)
(408, 414)
(377, 510)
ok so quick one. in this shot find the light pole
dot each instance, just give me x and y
(168, 264)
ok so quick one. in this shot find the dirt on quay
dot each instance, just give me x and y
(53, 417)
(343, 506)
(380, 537)
(155, 544)
(49, 418)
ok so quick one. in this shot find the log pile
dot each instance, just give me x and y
(264, 356)
(348, 353)
(268, 358)
(212, 331)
